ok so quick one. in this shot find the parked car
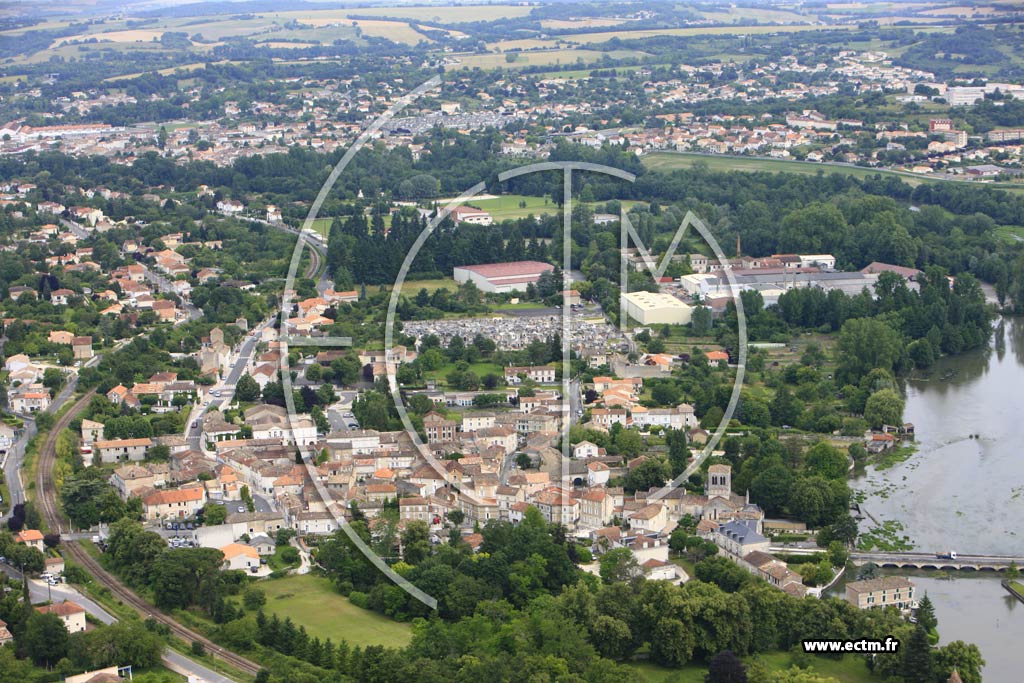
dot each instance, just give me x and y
(241, 508)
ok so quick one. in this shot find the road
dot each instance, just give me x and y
(193, 429)
(48, 507)
(164, 285)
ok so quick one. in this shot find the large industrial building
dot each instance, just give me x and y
(502, 277)
(655, 308)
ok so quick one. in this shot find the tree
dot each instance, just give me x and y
(678, 452)
(865, 344)
(918, 658)
(628, 442)
(415, 542)
(771, 488)
(619, 565)
(247, 389)
(726, 667)
(926, 614)
(651, 473)
(253, 598)
(456, 517)
(884, 407)
(45, 639)
(314, 373)
(785, 408)
(837, 554)
(214, 514)
(53, 379)
(963, 657)
(720, 571)
(611, 636)
(826, 460)
(701, 320)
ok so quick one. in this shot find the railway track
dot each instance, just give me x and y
(47, 501)
(314, 261)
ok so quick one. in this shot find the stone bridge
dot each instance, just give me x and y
(912, 560)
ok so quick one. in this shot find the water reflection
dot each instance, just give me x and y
(964, 489)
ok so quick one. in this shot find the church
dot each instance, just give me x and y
(718, 504)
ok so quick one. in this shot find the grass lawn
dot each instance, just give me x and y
(524, 306)
(314, 603)
(1011, 233)
(412, 287)
(670, 161)
(482, 368)
(322, 226)
(848, 670)
(508, 206)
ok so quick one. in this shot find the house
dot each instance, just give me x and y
(60, 337)
(72, 614)
(649, 519)
(597, 507)
(438, 428)
(54, 565)
(240, 556)
(60, 297)
(82, 348)
(415, 508)
(262, 544)
(274, 422)
(467, 214)
(717, 358)
(29, 400)
(122, 450)
(885, 591)
(110, 674)
(165, 310)
(122, 395)
(541, 374)
(606, 417)
(7, 434)
(740, 537)
(585, 449)
(92, 431)
(5, 636)
(130, 478)
(184, 502)
(33, 538)
(475, 420)
(230, 207)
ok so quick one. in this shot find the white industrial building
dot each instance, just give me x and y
(655, 308)
(502, 277)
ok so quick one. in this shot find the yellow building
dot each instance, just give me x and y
(655, 308)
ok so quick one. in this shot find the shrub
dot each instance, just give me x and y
(359, 599)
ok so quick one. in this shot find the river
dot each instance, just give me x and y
(964, 489)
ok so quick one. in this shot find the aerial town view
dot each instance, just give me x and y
(583, 341)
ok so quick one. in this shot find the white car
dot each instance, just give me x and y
(241, 508)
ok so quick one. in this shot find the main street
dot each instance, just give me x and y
(226, 388)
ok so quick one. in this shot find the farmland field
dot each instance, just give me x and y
(604, 36)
